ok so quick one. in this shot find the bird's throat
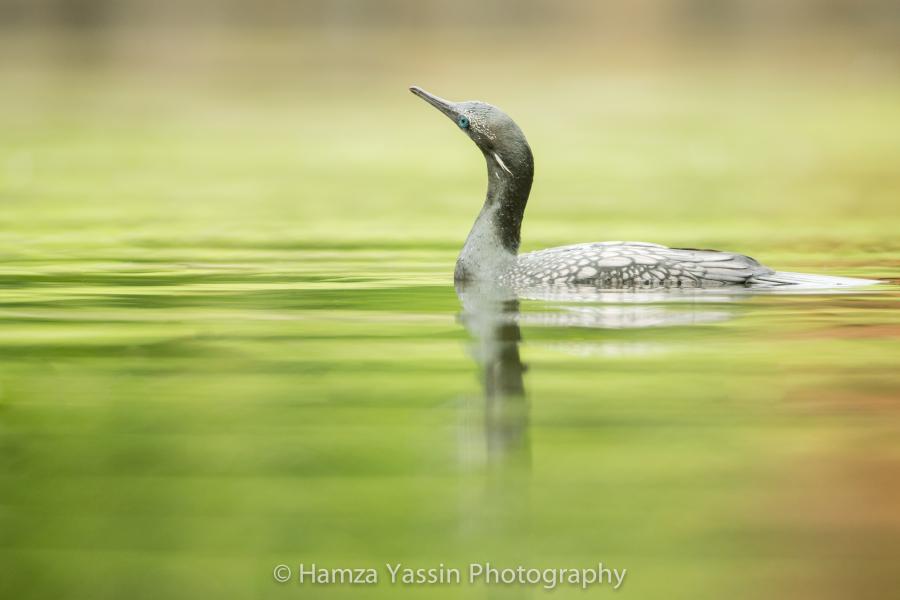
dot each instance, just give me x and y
(493, 242)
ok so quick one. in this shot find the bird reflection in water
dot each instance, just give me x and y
(495, 431)
(492, 315)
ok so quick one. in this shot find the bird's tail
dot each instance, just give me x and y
(806, 280)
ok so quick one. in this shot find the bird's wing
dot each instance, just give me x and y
(642, 263)
(713, 266)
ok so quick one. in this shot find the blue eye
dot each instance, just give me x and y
(463, 123)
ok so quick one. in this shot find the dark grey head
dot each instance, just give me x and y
(497, 135)
(491, 246)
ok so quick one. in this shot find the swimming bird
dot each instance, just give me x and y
(490, 252)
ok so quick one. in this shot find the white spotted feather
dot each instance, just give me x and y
(633, 264)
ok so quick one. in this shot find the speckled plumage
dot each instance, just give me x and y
(632, 264)
(490, 251)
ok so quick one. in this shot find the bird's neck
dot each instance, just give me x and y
(493, 242)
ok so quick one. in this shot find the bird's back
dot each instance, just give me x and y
(634, 264)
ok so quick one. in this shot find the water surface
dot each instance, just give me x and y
(178, 430)
(229, 337)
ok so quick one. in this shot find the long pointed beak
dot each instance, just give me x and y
(445, 106)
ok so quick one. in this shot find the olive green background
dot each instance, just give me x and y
(229, 337)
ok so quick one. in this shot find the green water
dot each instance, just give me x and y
(229, 340)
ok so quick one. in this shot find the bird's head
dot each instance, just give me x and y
(492, 130)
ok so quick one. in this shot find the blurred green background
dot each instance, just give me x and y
(229, 337)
